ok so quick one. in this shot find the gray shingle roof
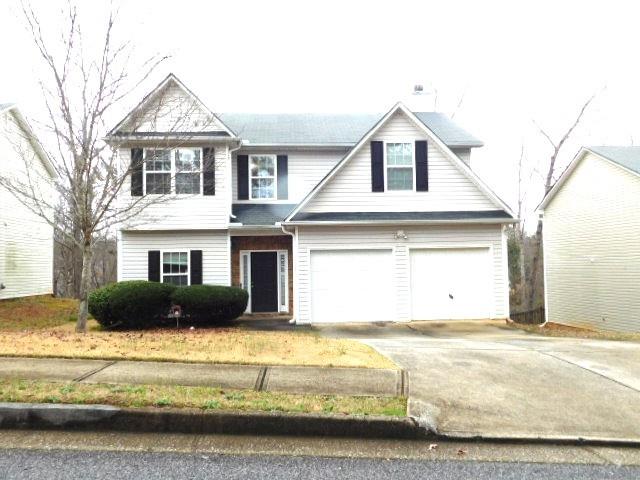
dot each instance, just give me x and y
(342, 129)
(628, 157)
(382, 216)
(260, 213)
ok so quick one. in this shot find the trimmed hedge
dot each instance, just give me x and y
(131, 304)
(210, 304)
(140, 304)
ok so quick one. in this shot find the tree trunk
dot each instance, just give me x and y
(85, 279)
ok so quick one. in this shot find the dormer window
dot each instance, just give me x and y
(399, 158)
(262, 177)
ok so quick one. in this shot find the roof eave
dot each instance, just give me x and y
(402, 222)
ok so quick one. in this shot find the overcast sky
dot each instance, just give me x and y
(511, 62)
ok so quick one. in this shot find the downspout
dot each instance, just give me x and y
(294, 259)
(230, 211)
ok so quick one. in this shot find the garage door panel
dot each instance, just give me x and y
(351, 285)
(450, 283)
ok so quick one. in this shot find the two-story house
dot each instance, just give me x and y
(327, 218)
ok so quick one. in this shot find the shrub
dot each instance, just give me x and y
(131, 304)
(210, 304)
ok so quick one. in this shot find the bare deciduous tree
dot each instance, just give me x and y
(534, 276)
(80, 90)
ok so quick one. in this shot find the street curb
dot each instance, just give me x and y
(28, 416)
(36, 416)
(540, 440)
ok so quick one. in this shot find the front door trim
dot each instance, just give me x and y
(282, 266)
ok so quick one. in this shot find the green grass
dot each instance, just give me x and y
(205, 398)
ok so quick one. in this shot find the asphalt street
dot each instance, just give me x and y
(69, 465)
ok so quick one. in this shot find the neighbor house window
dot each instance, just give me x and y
(262, 175)
(175, 268)
(169, 171)
(399, 166)
(188, 170)
(158, 171)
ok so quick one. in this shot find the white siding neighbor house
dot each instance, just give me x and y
(324, 218)
(26, 240)
(591, 222)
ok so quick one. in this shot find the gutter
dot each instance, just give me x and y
(294, 249)
(403, 222)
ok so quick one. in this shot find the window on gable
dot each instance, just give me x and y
(187, 170)
(158, 171)
(175, 268)
(262, 176)
(399, 166)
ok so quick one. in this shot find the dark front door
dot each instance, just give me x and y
(264, 282)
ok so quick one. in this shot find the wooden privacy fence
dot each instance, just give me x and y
(531, 317)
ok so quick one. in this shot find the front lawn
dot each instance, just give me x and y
(205, 398)
(43, 327)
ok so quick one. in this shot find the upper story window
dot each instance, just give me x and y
(188, 170)
(262, 177)
(399, 158)
(169, 171)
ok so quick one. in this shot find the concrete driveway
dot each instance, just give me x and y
(486, 379)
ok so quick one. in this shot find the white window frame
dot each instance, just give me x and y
(275, 176)
(145, 171)
(188, 274)
(413, 165)
(172, 172)
(283, 276)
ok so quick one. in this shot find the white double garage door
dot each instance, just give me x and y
(363, 285)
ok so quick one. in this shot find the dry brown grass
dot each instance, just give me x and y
(31, 333)
(558, 330)
(205, 398)
(34, 313)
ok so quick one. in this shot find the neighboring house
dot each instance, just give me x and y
(327, 218)
(26, 240)
(591, 241)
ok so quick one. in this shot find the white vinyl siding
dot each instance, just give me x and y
(592, 248)
(485, 236)
(350, 189)
(183, 212)
(134, 247)
(26, 240)
(306, 169)
(173, 110)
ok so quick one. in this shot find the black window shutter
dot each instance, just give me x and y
(422, 166)
(283, 177)
(208, 172)
(153, 267)
(377, 166)
(243, 177)
(196, 267)
(136, 172)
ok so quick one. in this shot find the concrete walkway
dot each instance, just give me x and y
(309, 380)
(488, 380)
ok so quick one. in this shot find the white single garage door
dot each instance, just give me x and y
(351, 286)
(451, 283)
